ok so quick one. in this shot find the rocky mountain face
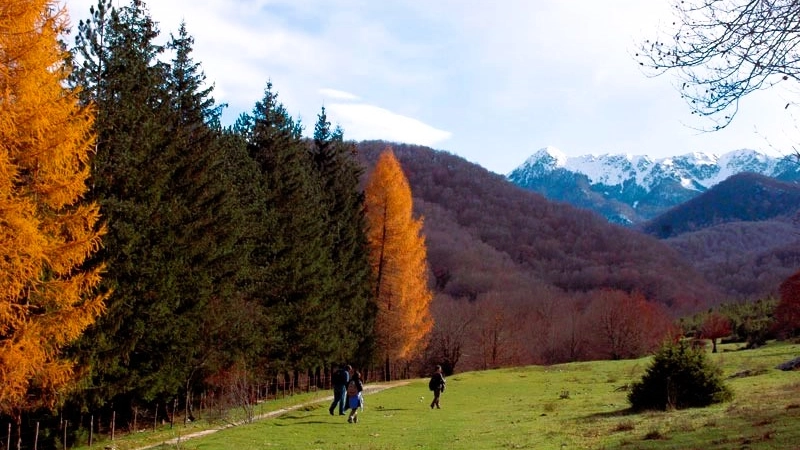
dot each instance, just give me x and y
(629, 190)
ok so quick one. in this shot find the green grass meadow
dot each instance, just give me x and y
(568, 406)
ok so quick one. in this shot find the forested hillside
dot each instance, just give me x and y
(747, 260)
(550, 244)
(519, 279)
(743, 234)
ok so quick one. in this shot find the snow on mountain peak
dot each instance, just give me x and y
(550, 155)
(692, 170)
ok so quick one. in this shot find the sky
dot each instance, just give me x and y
(490, 81)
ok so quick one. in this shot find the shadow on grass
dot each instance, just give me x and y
(298, 421)
(618, 413)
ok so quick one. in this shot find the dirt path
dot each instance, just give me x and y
(368, 389)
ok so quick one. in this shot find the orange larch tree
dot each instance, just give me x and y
(47, 297)
(398, 257)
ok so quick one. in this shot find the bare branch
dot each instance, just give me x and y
(725, 49)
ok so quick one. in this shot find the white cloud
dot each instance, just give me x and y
(337, 94)
(505, 77)
(364, 121)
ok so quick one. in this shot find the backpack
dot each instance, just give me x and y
(434, 382)
(352, 389)
(339, 378)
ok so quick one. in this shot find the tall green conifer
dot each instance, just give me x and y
(343, 202)
(295, 262)
(173, 211)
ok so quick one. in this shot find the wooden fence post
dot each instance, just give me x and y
(36, 437)
(113, 424)
(91, 429)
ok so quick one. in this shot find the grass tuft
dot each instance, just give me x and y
(654, 435)
(626, 425)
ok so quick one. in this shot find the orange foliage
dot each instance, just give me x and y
(46, 233)
(398, 257)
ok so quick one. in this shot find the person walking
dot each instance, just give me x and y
(436, 384)
(339, 381)
(355, 400)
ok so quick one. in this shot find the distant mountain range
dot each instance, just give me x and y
(630, 190)
(744, 197)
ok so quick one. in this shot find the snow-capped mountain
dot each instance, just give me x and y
(629, 189)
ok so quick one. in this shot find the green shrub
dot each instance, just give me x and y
(679, 377)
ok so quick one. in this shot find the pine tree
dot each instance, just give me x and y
(126, 82)
(174, 211)
(47, 296)
(339, 176)
(398, 260)
(679, 376)
(294, 263)
(206, 227)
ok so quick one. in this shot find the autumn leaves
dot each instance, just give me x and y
(46, 292)
(398, 260)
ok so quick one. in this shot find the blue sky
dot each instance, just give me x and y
(491, 81)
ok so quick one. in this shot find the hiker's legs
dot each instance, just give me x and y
(334, 402)
(343, 399)
(435, 401)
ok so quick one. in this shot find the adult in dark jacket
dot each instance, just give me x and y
(340, 379)
(436, 384)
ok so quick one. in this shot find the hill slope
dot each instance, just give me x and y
(747, 197)
(748, 260)
(486, 235)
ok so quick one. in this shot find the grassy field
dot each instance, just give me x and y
(569, 406)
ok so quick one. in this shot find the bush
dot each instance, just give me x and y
(679, 377)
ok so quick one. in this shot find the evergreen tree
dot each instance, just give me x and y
(294, 263)
(350, 297)
(121, 75)
(207, 221)
(678, 377)
(47, 296)
(175, 223)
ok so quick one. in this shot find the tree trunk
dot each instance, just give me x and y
(18, 422)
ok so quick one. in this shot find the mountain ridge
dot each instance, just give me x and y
(630, 189)
(743, 197)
